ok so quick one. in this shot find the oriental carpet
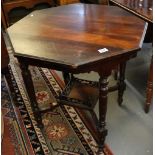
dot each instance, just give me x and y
(64, 133)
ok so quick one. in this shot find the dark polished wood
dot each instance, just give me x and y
(11, 4)
(4, 54)
(66, 76)
(8, 5)
(4, 21)
(141, 8)
(103, 97)
(103, 2)
(121, 82)
(56, 30)
(149, 91)
(144, 10)
(67, 38)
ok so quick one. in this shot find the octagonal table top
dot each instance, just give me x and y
(73, 34)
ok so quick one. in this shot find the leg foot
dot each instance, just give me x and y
(121, 83)
(147, 107)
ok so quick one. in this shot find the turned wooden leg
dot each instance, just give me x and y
(121, 83)
(103, 91)
(31, 93)
(149, 89)
(116, 72)
(66, 77)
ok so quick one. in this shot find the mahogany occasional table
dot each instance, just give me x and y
(144, 10)
(68, 38)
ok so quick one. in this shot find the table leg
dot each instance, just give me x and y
(121, 83)
(31, 93)
(116, 72)
(103, 92)
(66, 77)
(149, 89)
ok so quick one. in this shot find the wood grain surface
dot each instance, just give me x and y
(73, 34)
(142, 8)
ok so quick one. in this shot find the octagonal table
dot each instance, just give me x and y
(78, 38)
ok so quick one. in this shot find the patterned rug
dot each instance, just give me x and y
(64, 131)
